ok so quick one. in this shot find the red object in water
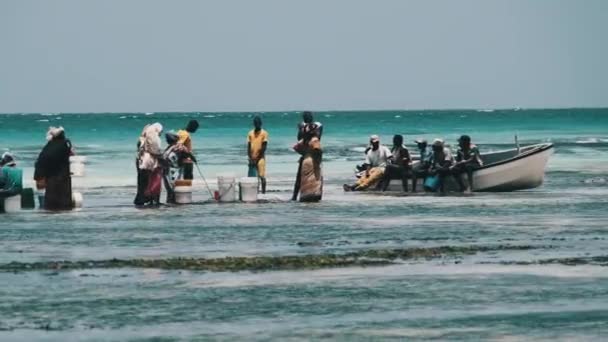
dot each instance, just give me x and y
(216, 195)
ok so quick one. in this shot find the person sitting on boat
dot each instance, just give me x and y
(400, 168)
(420, 170)
(440, 163)
(376, 160)
(468, 159)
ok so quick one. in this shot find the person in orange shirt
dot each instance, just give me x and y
(186, 141)
(257, 141)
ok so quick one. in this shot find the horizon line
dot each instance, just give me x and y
(302, 110)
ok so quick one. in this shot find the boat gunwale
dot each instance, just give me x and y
(538, 148)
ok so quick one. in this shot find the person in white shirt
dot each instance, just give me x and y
(376, 160)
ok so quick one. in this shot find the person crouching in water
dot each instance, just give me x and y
(400, 168)
(257, 141)
(376, 160)
(52, 171)
(186, 141)
(311, 176)
(149, 167)
(11, 178)
(440, 164)
(468, 159)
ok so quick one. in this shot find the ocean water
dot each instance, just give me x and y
(528, 265)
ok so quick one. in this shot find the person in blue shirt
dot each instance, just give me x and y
(421, 169)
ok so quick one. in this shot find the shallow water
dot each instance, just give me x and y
(529, 265)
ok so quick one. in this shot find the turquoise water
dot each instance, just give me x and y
(529, 265)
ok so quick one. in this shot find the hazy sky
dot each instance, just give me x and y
(187, 55)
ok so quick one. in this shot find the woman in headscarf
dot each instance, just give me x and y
(149, 168)
(53, 171)
(310, 177)
(142, 176)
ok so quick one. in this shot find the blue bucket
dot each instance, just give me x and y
(431, 183)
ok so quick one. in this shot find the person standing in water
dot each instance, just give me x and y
(311, 176)
(149, 167)
(52, 171)
(257, 141)
(307, 124)
(186, 141)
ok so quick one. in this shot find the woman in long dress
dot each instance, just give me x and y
(149, 169)
(311, 176)
(53, 171)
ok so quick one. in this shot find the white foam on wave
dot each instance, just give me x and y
(589, 141)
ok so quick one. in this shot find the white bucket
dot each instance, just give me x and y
(227, 188)
(77, 165)
(249, 189)
(183, 194)
(77, 199)
(12, 204)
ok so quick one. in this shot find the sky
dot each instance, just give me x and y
(267, 55)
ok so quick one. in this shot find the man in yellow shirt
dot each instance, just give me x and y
(186, 141)
(257, 141)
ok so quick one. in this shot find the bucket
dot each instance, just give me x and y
(77, 165)
(183, 194)
(431, 183)
(12, 204)
(227, 188)
(249, 189)
(76, 199)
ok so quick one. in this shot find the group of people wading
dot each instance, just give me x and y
(173, 166)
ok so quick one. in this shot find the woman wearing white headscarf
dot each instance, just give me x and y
(53, 171)
(149, 173)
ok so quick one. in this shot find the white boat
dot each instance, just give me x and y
(509, 170)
